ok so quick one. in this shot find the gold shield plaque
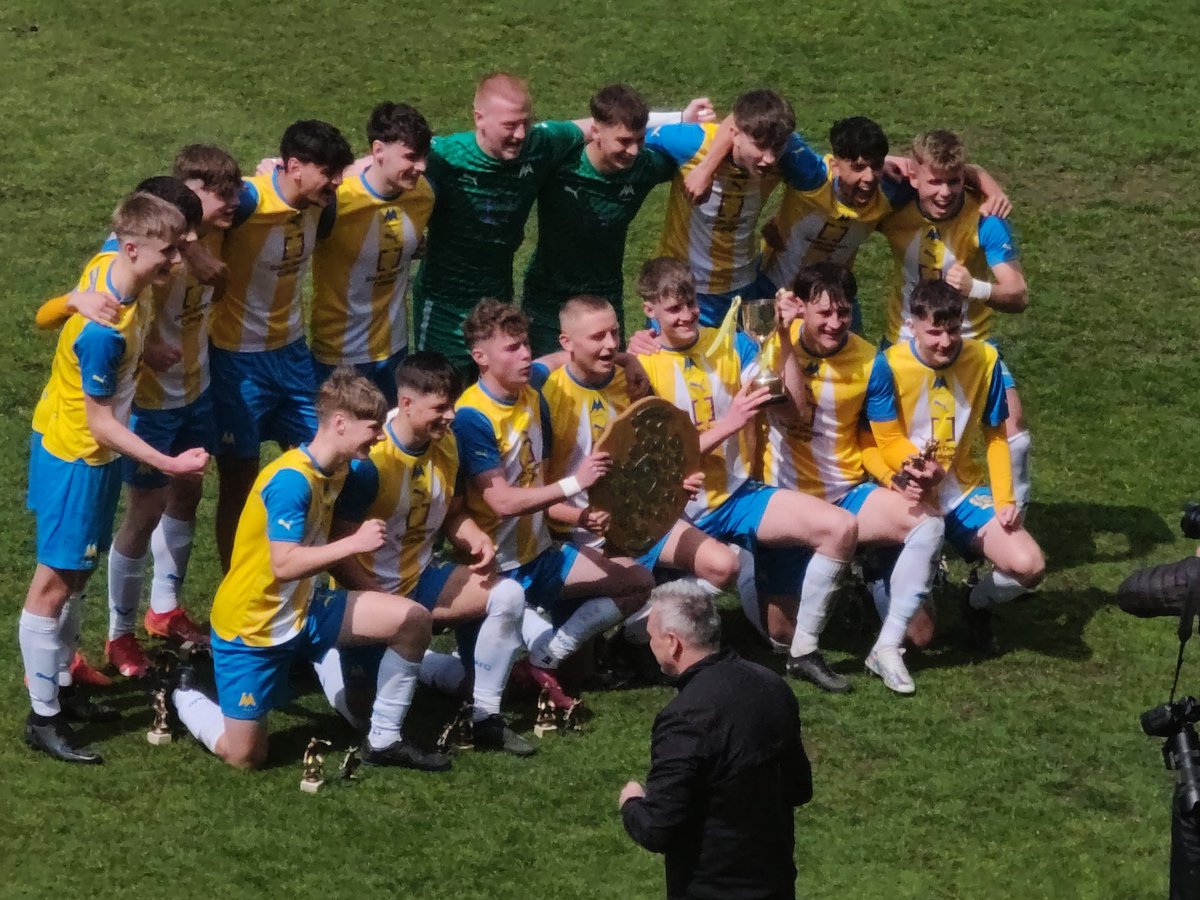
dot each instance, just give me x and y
(654, 446)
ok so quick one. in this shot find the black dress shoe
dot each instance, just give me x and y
(53, 736)
(79, 707)
(493, 733)
(812, 667)
(406, 755)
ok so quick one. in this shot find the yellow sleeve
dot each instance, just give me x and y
(53, 313)
(999, 464)
(894, 446)
(872, 458)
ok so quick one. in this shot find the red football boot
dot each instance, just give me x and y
(83, 672)
(175, 626)
(127, 656)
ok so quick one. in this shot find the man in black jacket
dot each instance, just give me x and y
(727, 764)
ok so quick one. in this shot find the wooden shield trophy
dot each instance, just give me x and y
(654, 446)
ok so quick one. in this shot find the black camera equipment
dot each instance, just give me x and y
(1190, 523)
(1157, 591)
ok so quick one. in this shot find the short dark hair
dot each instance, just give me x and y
(936, 301)
(665, 276)
(211, 166)
(765, 116)
(348, 392)
(428, 372)
(490, 316)
(399, 123)
(619, 104)
(829, 278)
(857, 137)
(316, 142)
(175, 192)
(576, 306)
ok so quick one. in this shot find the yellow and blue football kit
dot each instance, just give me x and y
(365, 246)
(821, 455)
(260, 623)
(924, 249)
(75, 482)
(262, 371)
(954, 405)
(579, 413)
(718, 238)
(702, 380)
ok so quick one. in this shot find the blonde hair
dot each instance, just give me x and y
(142, 216)
(501, 83)
(939, 149)
(665, 276)
(348, 392)
(576, 307)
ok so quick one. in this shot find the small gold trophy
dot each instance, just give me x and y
(160, 731)
(351, 763)
(314, 765)
(758, 321)
(918, 461)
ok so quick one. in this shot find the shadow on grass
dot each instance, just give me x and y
(1079, 534)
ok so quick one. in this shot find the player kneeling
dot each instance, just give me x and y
(268, 612)
(411, 482)
(946, 388)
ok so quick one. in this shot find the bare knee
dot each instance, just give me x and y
(718, 565)
(841, 535)
(251, 755)
(1030, 568)
(416, 623)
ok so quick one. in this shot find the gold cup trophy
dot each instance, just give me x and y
(758, 321)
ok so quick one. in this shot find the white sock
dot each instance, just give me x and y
(393, 695)
(40, 648)
(820, 581)
(534, 628)
(125, 577)
(912, 578)
(747, 587)
(202, 716)
(634, 628)
(68, 636)
(333, 683)
(443, 672)
(592, 617)
(1018, 449)
(171, 548)
(878, 589)
(996, 587)
(497, 645)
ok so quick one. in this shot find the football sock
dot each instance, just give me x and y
(69, 625)
(497, 645)
(443, 672)
(747, 588)
(534, 628)
(820, 581)
(333, 683)
(393, 694)
(124, 592)
(40, 649)
(592, 617)
(996, 587)
(201, 715)
(912, 578)
(1018, 449)
(171, 548)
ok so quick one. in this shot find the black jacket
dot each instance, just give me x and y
(727, 768)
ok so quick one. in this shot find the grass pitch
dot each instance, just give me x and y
(1024, 776)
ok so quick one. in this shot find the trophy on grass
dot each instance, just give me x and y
(758, 321)
(314, 765)
(161, 673)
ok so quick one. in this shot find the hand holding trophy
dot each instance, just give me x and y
(759, 321)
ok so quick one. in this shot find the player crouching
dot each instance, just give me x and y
(268, 612)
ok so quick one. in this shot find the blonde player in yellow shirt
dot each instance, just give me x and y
(814, 445)
(366, 243)
(583, 395)
(411, 482)
(504, 436)
(941, 386)
(262, 371)
(946, 233)
(269, 611)
(708, 374)
(77, 466)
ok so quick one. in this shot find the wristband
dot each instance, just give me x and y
(980, 290)
(671, 117)
(570, 487)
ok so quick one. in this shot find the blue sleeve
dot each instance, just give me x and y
(286, 497)
(679, 141)
(881, 392)
(997, 241)
(247, 204)
(327, 219)
(99, 350)
(995, 409)
(747, 350)
(538, 374)
(477, 448)
(359, 491)
(897, 193)
(801, 167)
(110, 245)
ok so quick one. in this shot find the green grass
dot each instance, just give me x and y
(1024, 776)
